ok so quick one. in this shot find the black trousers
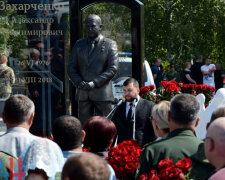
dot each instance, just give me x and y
(87, 109)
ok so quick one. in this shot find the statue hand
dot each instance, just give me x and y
(82, 85)
(89, 86)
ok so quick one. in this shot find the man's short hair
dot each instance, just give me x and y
(131, 80)
(184, 109)
(85, 166)
(219, 112)
(18, 109)
(67, 132)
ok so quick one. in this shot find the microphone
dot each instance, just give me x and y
(134, 100)
(118, 102)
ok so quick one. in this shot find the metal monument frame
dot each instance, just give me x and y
(137, 31)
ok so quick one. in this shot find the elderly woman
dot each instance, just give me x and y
(100, 133)
(160, 119)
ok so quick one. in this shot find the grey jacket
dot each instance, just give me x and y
(100, 67)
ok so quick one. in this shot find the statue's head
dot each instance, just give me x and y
(93, 25)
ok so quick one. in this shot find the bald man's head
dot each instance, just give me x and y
(215, 143)
(3, 59)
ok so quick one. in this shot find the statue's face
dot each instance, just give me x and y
(93, 27)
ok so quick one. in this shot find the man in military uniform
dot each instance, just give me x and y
(93, 64)
(181, 141)
(7, 78)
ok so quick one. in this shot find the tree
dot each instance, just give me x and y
(11, 41)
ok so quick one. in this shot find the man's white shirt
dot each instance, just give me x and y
(208, 79)
(128, 106)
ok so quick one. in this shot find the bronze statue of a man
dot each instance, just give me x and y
(94, 62)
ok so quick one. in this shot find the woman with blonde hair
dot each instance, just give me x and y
(160, 119)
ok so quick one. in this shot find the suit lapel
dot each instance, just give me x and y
(139, 105)
(97, 50)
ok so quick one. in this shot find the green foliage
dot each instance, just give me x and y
(116, 20)
(10, 42)
(175, 30)
(184, 29)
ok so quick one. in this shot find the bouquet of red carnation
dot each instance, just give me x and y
(195, 89)
(124, 158)
(168, 90)
(147, 92)
(169, 171)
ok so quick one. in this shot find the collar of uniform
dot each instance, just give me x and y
(96, 40)
(3, 65)
(181, 132)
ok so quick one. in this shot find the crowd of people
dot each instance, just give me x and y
(167, 132)
(196, 73)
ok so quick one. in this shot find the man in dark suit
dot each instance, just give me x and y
(124, 114)
(93, 64)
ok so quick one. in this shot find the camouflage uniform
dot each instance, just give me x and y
(7, 79)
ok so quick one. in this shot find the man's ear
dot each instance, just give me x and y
(83, 136)
(138, 90)
(197, 121)
(211, 145)
(30, 121)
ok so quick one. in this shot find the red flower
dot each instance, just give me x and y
(163, 83)
(168, 171)
(172, 88)
(124, 158)
(85, 150)
(171, 173)
(184, 165)
(153, 175)
(146, 89)
(143, 177)
(165, 163)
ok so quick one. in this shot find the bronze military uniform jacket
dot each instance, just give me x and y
(99, 67)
